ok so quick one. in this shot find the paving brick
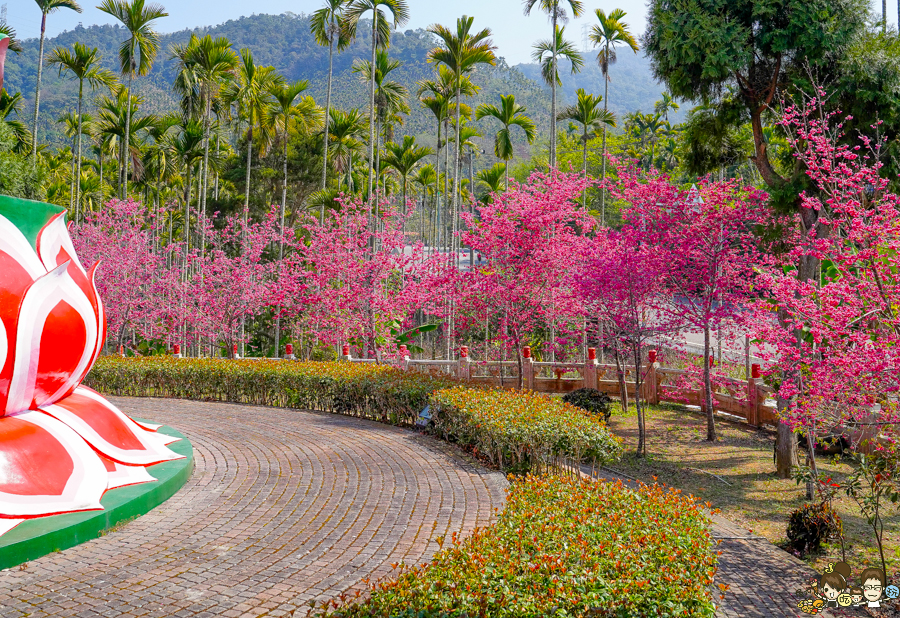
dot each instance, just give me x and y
(283, 507)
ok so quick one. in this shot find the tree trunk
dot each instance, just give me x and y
(327, 118)
(707, 389)
(125, 147)
(435, 237)
(37, 92)
(247, 181)
(455, 226)
(204, 184)
(372, 104)
(281, 241)
(553, 98)
(584, 169)
(638, 405)
(78, 164)
(603, 161)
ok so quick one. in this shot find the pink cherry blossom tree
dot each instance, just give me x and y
(533, 237)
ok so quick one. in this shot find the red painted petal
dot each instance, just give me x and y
(54, 247)
(148, 426)
(122, 476)
(47, 468)
(56, 338)
(19, 268)
(109, 431)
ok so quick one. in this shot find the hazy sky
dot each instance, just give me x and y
(514, 33)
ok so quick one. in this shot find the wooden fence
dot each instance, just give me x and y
(748, 399)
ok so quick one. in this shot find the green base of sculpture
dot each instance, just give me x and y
(38, 537)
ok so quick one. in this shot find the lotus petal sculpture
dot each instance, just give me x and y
(62, 445)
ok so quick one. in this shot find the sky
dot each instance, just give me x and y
(513, 33)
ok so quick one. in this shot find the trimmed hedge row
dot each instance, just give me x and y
(518, 429)
(366, 390)
(563, 546)
(521, 429)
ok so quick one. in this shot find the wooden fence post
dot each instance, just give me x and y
(527, 369)
(753, 397)
(464, 366)
(590, 369)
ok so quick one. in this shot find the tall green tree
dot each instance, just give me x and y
(665, 105)
(46, 7)
(214, 63)
(510, 114)
(390, 99)
(326, 28)
(347, 132)
(288, 107)
(83, 63)
(556, 11)
(609, 33)
(758, 53)
(404, 157)
(252, 93)
(593, 120)
(137, 52)
(461, 52)
(381, 38)
(547, 54)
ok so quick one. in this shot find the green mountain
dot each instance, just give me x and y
(284, 41)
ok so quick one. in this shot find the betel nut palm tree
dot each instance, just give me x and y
(608, 34)
(136, 53)
(325, 25)
(510, 114)
(556, 11)
(381, 38)
(586, 112)
(46, 7)
(461, 52)
(84, 65)
(404, 157)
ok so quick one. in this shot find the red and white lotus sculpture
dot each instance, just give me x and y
(61, 444)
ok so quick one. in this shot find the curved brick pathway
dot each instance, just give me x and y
(283, 507)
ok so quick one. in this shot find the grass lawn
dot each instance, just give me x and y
(748, 493)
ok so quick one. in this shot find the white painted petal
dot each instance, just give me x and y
(40, 300)
(14, 243)
(55, 237)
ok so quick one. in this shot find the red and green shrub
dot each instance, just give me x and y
(563, 546)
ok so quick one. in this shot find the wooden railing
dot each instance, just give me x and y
(748, 399)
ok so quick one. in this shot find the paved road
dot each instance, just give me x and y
(283, 507)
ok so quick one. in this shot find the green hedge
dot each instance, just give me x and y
(562, 547)
(520, 429)
(513, 429)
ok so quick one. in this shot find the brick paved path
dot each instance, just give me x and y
(283, 507)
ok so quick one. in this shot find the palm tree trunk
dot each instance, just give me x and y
(205, 179)
(372, 104)
(247, 183)
(584, 169)
(884, 15)
(78, 164)
(125, 146)
(457, 151)
(281, 241)
(37, 93)
(553, 99)
(327, 122)
(603, 162)
(437, 184)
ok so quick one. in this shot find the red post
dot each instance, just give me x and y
(176, 350)
(122, 351)
(526, 352)
(234, 353)
(404, 351)
(756, 373)
(651, 356)
(346, 349)
(289, 349)
(464, 352)
(592, 353)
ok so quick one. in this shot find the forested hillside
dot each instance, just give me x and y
(285, 42)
